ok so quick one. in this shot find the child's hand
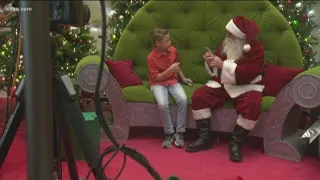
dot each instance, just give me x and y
(187, 81)
(174, 68)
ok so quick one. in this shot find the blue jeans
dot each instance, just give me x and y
(161, 95)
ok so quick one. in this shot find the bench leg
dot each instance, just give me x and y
(119, 133)
(118, 125)
(291, 148)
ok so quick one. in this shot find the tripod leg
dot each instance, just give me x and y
(73, 114)
(68, 148)
(77, 123)
(56, 144)
(10, 131)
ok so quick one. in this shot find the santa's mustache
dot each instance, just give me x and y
(233, 41)
(233, 47)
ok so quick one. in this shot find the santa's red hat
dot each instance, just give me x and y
(243, 28)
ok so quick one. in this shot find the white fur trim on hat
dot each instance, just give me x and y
(233, 29)
(246, 47)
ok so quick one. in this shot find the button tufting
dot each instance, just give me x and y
(148, 9)
(224, 10)
(263, 8)
(204, 28)
(186, 10)
(131, 27)
(149, 45)
(166, 26)
(186, 46)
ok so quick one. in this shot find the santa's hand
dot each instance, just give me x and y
(214, 61)
(209, 51)
(206, 55)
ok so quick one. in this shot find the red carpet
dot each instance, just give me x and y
(208, 165)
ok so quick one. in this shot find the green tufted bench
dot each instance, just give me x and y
(194, 25)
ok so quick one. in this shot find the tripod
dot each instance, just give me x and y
(67, 115)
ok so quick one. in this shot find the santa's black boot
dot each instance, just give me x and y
(236, 141)
(204, 141)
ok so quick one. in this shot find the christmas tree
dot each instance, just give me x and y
(72, 45)
(119, 18)
(300, 17)
(298, 14)
(8, 49)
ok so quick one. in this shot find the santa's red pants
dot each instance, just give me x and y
(247, 105)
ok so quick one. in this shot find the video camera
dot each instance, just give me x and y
(61, 12)
(72, 12)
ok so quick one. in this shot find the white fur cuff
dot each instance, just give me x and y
(246, 123)
(213, 84)
(228, 73)
(212, 72)
(201, 114)
(233, 29)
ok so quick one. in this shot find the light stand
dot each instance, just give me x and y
(38, 88)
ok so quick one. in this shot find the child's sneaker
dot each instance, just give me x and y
(179, 140)
(168, 140)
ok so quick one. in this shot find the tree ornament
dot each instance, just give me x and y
(299, 6)
(295, 23)
(280, 7)
(304, 17)
(80, 41)
(311, 14)
(289, 2)
(308, 51)
(121, 17)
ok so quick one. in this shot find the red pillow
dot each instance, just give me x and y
(122, 71)
(277, 77)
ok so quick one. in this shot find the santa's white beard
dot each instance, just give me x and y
(233, 48)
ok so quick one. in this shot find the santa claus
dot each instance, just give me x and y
(236, 74)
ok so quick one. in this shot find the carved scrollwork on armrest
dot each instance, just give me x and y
(87, 73)
(305, 90)
(113, 91)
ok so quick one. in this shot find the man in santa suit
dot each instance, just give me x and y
(236, 74)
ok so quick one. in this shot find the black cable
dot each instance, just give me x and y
(115, 147)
